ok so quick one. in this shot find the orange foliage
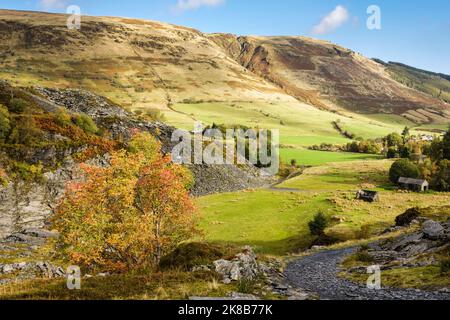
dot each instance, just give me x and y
(97, 144)
(128, 215)
(3, 177)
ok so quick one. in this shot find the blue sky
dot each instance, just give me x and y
(414, 32)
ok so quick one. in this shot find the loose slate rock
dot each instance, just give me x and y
(432, 229)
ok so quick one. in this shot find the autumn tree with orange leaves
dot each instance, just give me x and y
(128, 215)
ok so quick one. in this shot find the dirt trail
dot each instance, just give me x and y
(318, 273)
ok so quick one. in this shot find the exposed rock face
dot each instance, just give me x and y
(243, 266)
(76, 100)
(25, 206)
(413, 250)
(30, 270)
(210, 179)
(20, 247)
(327, 76)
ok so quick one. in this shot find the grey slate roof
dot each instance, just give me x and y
(419, 182)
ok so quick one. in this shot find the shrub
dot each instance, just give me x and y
(392, 153)
(406, 218)
(5, 125)
(318, 225)
(27, 172)
(442, 178)
(155, 115)
(445, 266)
(17, 105)
(25, 132)
(86, 123)
(63, 118)
(126, 216)
(188, 255)
(246, 286)
(403, 168)
(363, 256)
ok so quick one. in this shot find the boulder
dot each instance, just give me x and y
(242, 266)
(432, 230)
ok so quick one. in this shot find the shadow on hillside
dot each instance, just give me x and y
(281, 247)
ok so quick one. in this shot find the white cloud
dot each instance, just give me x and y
(335, 19)
(52, 4)
(184, 5)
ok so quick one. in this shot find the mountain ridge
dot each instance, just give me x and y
(144, 64)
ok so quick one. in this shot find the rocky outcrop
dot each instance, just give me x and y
(210, 179)
(29, 205)
(30, 270)
(411, 250)
(432, 230)
(21, 248)
(242, 267)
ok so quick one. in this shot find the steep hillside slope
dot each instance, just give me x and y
(431, 83)
(144, 65)
(331, 77)
(45, 143)
(140, 64)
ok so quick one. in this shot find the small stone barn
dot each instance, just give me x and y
(417, 185)
(368, 196)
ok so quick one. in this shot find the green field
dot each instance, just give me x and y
(276, 221)
(313, 158)
(299, 124)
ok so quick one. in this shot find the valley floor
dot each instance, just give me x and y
(275, 222)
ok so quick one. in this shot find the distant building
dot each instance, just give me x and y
(368, 196)
(427, 137)
(417, 185)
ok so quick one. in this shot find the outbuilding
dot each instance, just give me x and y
(368, 196)
(418, 185)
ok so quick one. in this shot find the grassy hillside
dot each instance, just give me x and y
(144, 65)
(434, 84)
(275, 221)
(330, 77)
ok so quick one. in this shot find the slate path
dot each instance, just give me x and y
(318, 273)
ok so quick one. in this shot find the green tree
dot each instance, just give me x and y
(392, 153)
(5, 125)
(405, 134)
(435, 151)
(394, 140)
(446, 145)
(403, 168)
(442, 178)
(318, 225)
(405, 152)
